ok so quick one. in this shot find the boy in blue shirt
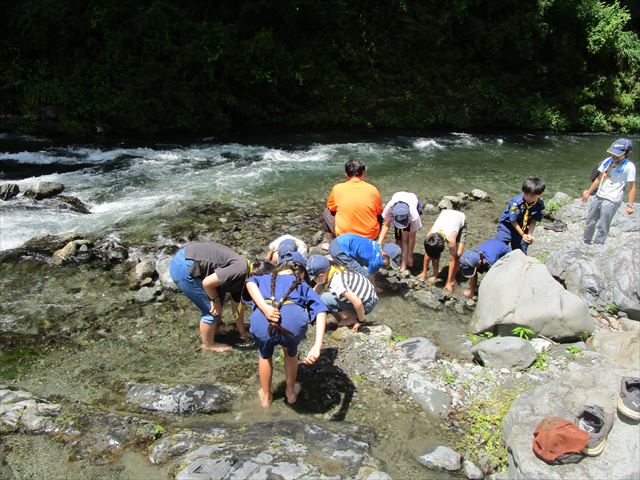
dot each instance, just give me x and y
(364, 255)
(519, 219)
(481, 260)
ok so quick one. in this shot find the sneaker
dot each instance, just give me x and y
(246, 343)
(556, 226)
(629, 401)
(597, 423)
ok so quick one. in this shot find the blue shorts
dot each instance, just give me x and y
(509, 236)
(335, 305)
(191, 287)
(290, 342)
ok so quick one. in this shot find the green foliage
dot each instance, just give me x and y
(357, 378)
(584, 335)
(397, 338)
(573, 349)
(611, 309)
(473, 338)
(483, 421)
(522, 332)
(542, 257)
(542, 361)
(487, 334)
(449, 378)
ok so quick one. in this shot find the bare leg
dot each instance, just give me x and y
(265, 372)
(348, 318)
(473, 287)
(411, 244)
(207, 336)
(291, 373)
(238, 313)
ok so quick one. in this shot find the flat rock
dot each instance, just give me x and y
(427, 299)
(418, 348)
(428, 396)
(181, 399)
(505, 352)
(75, 251)
(618, 347)
(44, 190)
(442, 458)
(471, 471)
(445, 204)
(478, 194)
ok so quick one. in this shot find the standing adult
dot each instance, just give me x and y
(353, 206)
(206, 272)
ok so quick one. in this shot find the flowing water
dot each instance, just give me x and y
(75, 332)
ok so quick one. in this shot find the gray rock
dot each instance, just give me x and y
(181, 399)
(564, 398)
(144, 269)
(72, 252)
(205, 469)
(629, 325)
(377, 475)
(505, 352)
(428, 396)
(162, 267)
(445, 204)
(9, 190)
(74, 204)
(430, 208)
(520, 291)
(110, 252)
(442, 458)
(540, 344)
(561, 198)
(21, 411)
(418, 348)
(454, 199)
(427, 299)
(471, 471)
(44, 190)
(147, 294)
(478, 194)
(503, 475)
(618, 347)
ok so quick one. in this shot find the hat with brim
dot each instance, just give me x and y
(620, 146)
(286, 246)
(292, 257)
(469, 261)
(400, 213)
(317, 264)
(394, 252)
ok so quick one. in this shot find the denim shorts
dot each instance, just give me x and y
(266, 347)
(335, 305)
(191, 287)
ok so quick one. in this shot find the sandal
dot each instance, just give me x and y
(246, 343)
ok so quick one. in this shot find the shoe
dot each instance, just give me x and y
(556, 226)
(246, 343)
(597, 423)
(629, 401)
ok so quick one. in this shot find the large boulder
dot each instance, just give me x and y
(621, 223)
(520, 291)
(44, 190)
(618, 347)
(564, 398)
(505, 352)
(180, 399)
(9, 190)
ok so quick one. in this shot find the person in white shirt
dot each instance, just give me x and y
(616, 173)
(450, 228)
(403, 210)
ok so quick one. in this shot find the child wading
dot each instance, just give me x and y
(283, 306)
(519, 219)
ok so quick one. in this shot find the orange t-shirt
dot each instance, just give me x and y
(357, 205)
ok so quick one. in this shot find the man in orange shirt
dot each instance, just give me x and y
(353, 206)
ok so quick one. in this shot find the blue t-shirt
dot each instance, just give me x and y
(362, 249)
(517, 210)
(492, 251)
(293, 316)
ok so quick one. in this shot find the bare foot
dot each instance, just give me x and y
(469, 294)
(432, 280)
(217, 348)
(292, 395)
(265, 400)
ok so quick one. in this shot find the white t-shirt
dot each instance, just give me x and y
(612, 188)
(410, 199)
(449, 221)
(302, 247)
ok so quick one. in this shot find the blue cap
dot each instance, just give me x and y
(287, 245)
(620, 146)
(317, 264)
(469, 261)
(400, 213)
(394, 252)
(292, 257)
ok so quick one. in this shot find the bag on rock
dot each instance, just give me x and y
(558, 441)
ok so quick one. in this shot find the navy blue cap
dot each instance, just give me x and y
(469, 261)
(287, 245)
(620, 146)
(292, 257)
(394, 252)
(317, 264)
(400, 213)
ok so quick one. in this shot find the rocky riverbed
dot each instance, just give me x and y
(102, 375)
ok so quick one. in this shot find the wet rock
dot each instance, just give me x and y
(144, 269)
(428, 396)
(181, 442)
(563, 398)
(445, 204)
(430, 209)
(162, 267)
(442, 458)
(418, 348)
(520, 291)
(147, 294)
(478, 194)
(21, 411)
(377, 475)
(181, 399)
(427, 299)
(618, 347)
(454, 199)
(48, 244)
(76, 251)
(463, 197)
(471, 471)
(382, 332)
(8, 191)
(72, 203)
(44, 190)
(206, 468)
(110, 252)
(505, 352)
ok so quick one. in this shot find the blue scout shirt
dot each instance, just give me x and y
(519, 211)
(362, 249)
(293, 316)
(492, 251)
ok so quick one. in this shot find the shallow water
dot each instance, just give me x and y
(77, 334)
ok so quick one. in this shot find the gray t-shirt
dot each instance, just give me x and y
(210, 257)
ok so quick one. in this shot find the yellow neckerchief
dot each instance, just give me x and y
(528, 206)
(249, 267)
(443, 235)
(332, 271)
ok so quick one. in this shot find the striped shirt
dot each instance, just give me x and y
(353, 281)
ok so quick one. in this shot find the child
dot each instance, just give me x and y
(363, 254)
(351, 295)
(283, 306)
(518, 221)
(205, 272)
(616, 172)
(285, 242)
(404, 211)
(481, 260)
(450, 228)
